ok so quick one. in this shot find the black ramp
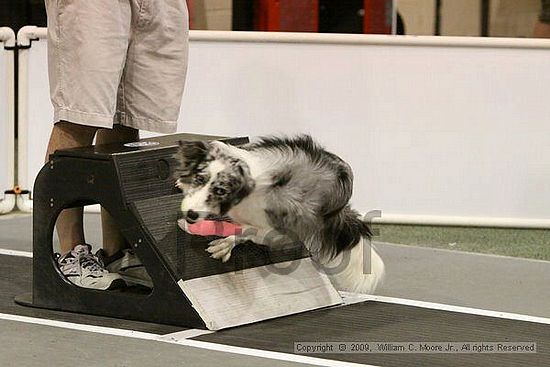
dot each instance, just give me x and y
(135, 183)
(387, 322)
(115, 176)
(186, 253)
(16, 279)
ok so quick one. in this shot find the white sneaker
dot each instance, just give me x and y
(85, 270)
(127, 264)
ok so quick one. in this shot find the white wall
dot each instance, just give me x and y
(432, 127)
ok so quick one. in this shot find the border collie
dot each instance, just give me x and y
(281, 190)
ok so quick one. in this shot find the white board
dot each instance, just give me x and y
(260, 293)
(39, 112)
(6, 117)
(431, 127)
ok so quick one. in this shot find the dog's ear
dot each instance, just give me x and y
(248, 184)
(190, 154)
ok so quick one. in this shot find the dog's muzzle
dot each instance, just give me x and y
(191, 216)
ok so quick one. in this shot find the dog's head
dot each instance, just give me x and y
(212, 179)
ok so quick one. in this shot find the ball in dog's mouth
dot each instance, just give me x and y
(210, 228)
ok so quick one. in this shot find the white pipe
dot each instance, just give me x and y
(369, 39)
(463, 221)
(7, 204)
(26, 34)
(335, 38)
(7, 36)
(24, 202)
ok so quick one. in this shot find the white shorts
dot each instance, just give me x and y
(118, 61)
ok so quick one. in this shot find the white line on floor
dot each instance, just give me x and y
(15, 253)
(350, 298)
(459, 309)
(460, 252)
(185, 342)
(185, 334)
(80, 327)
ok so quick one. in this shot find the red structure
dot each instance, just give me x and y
(303, 16)
(378, 16)
(287, 15)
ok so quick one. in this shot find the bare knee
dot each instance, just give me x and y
(66, 135)
(118, 134)
(74, 132)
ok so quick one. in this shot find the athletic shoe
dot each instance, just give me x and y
(85, 270)
(127, 264)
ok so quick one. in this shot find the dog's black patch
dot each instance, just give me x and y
(192, 157)
(343, 231)
(303, 143)
(278, 218)
(230, 187)
(281, 178)
(343, 174)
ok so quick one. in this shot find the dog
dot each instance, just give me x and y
(281, 189)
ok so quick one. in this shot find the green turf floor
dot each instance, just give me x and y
(526, 243)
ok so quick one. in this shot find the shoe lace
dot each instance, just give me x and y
(90, 262)
(67, 259)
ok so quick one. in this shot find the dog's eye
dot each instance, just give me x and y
(199, 180)
(220, 191)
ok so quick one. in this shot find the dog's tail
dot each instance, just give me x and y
(342, 230)
(359, 270)
(351, 261)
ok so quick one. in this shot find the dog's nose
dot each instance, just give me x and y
(192, 216)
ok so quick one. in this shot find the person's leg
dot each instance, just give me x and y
(85, 64)
(69, 225)
(113, 241)
(87, 44)
(154, 77)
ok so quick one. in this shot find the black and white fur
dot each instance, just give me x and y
(281, 190)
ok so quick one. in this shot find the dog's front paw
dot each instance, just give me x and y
(221, 249)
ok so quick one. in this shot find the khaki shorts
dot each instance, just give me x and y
(118, 61)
